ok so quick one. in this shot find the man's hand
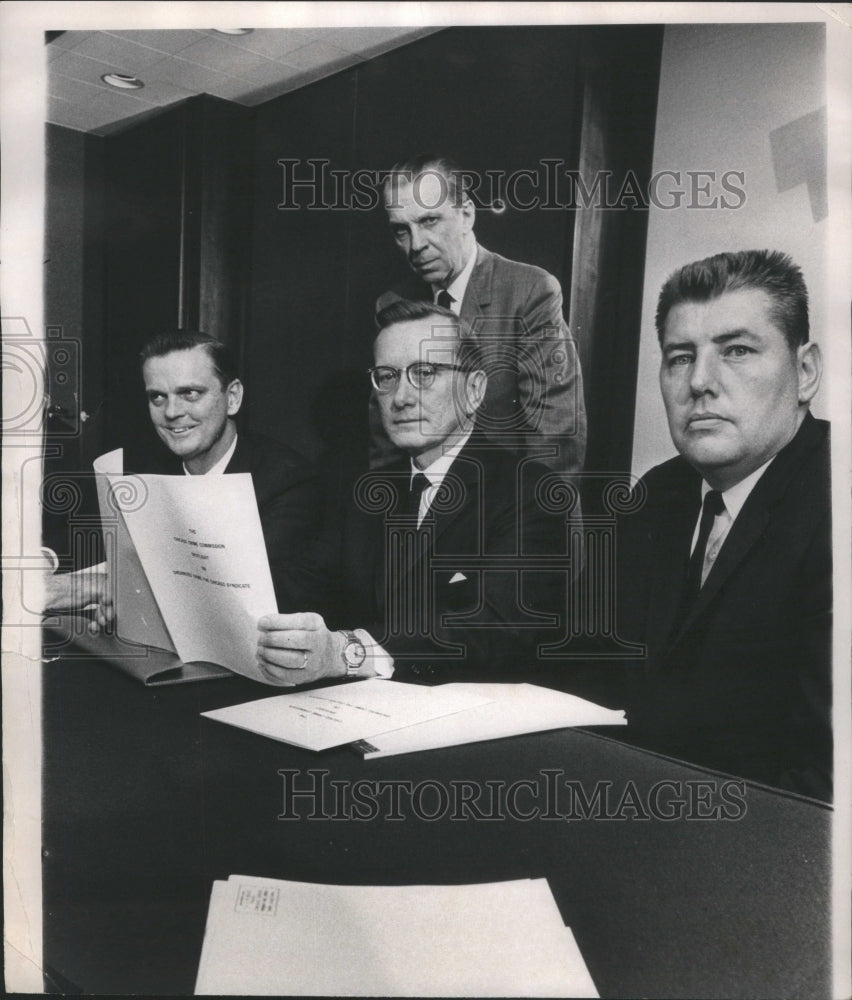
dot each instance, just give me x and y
(298, 649)
(87, 588)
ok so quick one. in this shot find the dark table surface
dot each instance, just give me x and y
(146, 803)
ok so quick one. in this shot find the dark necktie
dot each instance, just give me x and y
(713, 506)
(412, 504)
(445, 299)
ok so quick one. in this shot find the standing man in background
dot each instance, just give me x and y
(534, 400)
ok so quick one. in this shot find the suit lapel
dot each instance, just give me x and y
(479, 291)
(240, 460)
(463, 476)
(745, 531)
(754, 517)
(462, 479)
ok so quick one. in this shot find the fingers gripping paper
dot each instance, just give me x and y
(190, 576)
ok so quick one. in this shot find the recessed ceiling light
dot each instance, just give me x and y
(233, 31)
(122, 81)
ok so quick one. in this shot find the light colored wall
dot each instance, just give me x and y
(723, 89)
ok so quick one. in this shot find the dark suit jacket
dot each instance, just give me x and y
(285, 484)
(534, 399)
(464, 603)
(742, 683)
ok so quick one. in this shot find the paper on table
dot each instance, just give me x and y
(269, 937)
(330, 716)
(511, 710)
(207, 569)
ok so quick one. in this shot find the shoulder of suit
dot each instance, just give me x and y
(516, 267)
(675, 476)
(500, 465)
(268, 453)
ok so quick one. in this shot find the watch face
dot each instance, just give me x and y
(354, 653)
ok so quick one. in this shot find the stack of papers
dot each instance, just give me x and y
(328, 717)
(510, 710)
(388, 717)
(268, 937)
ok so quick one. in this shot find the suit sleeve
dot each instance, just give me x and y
(810, 736)
(550, 383)
(290, 513)
(312, 580)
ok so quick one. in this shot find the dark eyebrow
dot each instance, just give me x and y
(680, 346)
(180, 389)
(720, 338)
(740, 332)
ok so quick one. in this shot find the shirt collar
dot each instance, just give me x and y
(737, 495)
(459, 286)
(222, 464)
(440, 467)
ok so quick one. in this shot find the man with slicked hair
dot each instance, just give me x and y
(725, 571)
(194, 395)
(513, 312)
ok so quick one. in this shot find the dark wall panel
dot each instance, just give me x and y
(73, 300)
(298, 353)
(143, 266)
(495, 99)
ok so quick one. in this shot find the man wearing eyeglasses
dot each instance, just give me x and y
(534, 400)
(443, 566)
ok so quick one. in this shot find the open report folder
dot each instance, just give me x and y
(190, 577)
(267, 937)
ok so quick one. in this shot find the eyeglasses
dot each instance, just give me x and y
(420, 374)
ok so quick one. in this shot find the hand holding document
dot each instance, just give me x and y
(190, 576)
(267, 937)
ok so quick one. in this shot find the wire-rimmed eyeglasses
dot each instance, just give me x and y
(420, 374)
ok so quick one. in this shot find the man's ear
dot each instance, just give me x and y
(475, 385)
(809, 369)
(468, 211)
(235, 397)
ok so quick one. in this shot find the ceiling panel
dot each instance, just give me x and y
(317, 54)
(173, 65)
(274, 44)
(169, 42)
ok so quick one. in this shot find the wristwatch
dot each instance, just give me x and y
(353, 653)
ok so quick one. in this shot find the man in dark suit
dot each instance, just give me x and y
(513, 311)
(448, 562)
(194, 396)
(725, 571)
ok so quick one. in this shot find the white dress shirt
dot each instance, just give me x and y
(733, 499)
(219, 468)
(458, 287)
(435, 473)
